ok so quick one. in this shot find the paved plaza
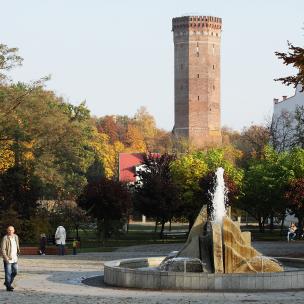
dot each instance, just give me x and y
(78, 279)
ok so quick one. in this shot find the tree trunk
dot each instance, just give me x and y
(282, 223)
(271, 227)
(170, 224)
(156, 223)
(162, 229)
(77, 233)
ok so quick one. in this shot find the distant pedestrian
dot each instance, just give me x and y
(43, 243)
(10, 250)
(60, 237)
(75, 245)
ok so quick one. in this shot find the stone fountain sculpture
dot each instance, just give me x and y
(216, 244)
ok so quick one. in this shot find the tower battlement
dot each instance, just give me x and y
(196, 23)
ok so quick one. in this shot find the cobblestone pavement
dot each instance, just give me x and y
(78, 279)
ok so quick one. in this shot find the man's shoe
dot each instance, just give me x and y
(10, 288)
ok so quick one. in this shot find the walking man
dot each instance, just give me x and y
(60, 237)
(10, 250)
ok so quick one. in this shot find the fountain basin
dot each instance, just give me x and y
(142, 273)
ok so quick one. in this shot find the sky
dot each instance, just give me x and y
(117, 55)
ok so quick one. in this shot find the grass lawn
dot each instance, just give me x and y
(138, 234)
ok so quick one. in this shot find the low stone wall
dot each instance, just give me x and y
(125, 273)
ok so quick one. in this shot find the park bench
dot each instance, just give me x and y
(174, 234)
(32, 250)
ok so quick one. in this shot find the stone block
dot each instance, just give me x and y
(180, 281)
(203, 282)
(301, 279)
(164, 280)
(259, 282)
(244, 282)
(218, 281)
(171, 281)
(235, 282)
(294, 280)
(196, 282)
(156, 280)
(277, 282)
(187, 282)
(267, 282)
(129, 279)
(210, 282)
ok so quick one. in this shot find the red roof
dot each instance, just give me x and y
(127, 164)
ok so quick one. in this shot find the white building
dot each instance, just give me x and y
(288, 104)
(283, 121)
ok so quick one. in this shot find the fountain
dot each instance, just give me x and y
(217, 255)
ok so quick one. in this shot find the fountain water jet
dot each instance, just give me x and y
(219, 197)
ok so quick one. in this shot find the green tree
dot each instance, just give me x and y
(264, 184)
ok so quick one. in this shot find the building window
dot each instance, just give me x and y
(213, 87)
(213, 49)
(181, 87)
(196, 44)
(213, 67)
(197, 97)
(197, 75)
(197, 54)
(181, 66)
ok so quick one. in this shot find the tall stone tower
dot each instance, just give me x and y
(197, 41)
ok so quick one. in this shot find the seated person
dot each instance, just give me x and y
(291, 232)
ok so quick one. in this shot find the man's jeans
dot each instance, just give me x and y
(11, 270)
(61, 249)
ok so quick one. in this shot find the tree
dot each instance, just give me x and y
(263, 186)
(187, 172)
(134, 139)
(107, 125)
(252, 142)
(9, 59)
(282, 131)
(107, 201)
(294, 57)
(20, 190)
(106, 154)
(156, 194)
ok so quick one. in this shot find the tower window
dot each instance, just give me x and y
(197, 44)
(213, 67)
(197, 75)
(197, 97)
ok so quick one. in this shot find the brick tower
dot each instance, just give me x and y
(197, 41)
